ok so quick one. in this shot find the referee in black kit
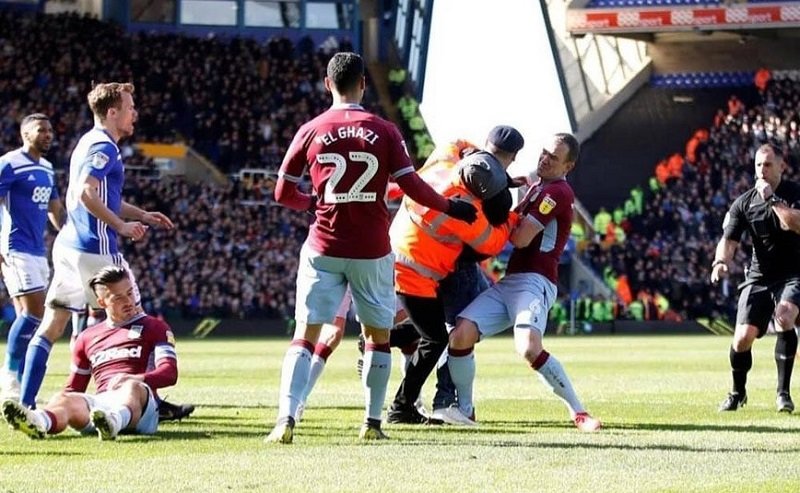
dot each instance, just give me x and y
(770, 213)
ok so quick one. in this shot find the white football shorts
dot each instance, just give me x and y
(24, 273)
(73, 270)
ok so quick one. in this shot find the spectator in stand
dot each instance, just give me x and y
(669, 245)
(218, 95)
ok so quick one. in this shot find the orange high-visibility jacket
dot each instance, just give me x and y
(427, 243)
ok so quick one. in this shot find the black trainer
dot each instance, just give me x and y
(733, 402)
(362, 344)
(409, 416)
(784, 403)
(173, 412)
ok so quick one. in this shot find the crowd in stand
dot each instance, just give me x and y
(237, 101)
(230, 255)
(667, 246)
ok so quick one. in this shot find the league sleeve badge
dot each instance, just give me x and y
(99, 160)
(547, 205)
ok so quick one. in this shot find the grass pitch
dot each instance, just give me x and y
(657, 397)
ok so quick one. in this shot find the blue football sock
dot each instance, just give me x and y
(18, 338)
(35, 368)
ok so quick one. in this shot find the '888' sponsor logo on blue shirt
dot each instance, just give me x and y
(41, 196)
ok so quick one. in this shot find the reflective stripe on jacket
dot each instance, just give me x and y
(427, 243)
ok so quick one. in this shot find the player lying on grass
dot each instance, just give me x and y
(115, 353)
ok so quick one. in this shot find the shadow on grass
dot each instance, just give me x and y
(184, 434)
(696, 427)
(611, 426)
(272, 406)
(43, 453)
(595, 446)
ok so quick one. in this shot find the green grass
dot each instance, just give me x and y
(657, 397)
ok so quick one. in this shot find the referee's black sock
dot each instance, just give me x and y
(785, 349)
(740, 365)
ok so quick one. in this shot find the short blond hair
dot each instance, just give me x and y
(108, 95)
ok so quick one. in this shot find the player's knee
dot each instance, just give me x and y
(59, 398)
(131, 386)
(374, 335)
(531, 353)
(465, 335)
(53, 324)
(785, 315)
(332, 333)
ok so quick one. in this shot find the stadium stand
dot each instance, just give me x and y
(668, 247)
(232, 254)
(237, 101)
(599, 4)
(702, 80)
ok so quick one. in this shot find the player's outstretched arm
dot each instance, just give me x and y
(130, 211)
(422, 193)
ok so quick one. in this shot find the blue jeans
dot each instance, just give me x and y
(456, 292)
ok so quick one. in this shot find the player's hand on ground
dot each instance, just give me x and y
(120, 378)
(763, 188)
(462, 210)
(718, 272)
(134, 230)
(157, 219)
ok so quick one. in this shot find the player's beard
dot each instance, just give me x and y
(43, 147)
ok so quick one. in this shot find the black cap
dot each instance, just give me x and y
(506, 138)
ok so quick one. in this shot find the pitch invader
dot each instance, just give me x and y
(29, 197)
(96, 216)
